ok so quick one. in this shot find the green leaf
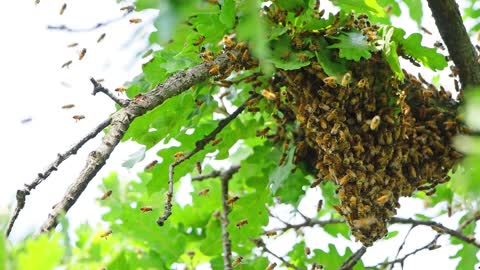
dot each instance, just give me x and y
(389, 51)
(468, 253)
(370, 7)
(423, 217)
(282, 173)
(227, 14)
(338, 228)
(390, 235)
(352, 45)
(331, 259)
(3, 252)
(333, 67)
(415, 9)
(41, 253)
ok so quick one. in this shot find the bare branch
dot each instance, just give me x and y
(352, 261)
(121, 120)
(450, 25)
(403, 243)
(227, 248)
(97, 87)
(63, 27)
(199, 145)
(214, 174)
(474, 218)
(23, 193)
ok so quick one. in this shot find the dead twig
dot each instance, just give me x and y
(352, 261)
(97, 87)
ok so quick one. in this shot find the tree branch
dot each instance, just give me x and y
(199, 145)
(121, 120)
(23, 193)
(352, 261)
(450, 25)
(226, 244)
(214, 174)
(97, 87)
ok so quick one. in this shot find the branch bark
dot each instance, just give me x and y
(121, 120)
(450, 25)
(226, 244)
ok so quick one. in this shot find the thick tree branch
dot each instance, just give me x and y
(23, 193)
(121, 120)
(199, 145)
(450, 25)
(352, 261)
(97, 87)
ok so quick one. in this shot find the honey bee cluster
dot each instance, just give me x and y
(377, 138)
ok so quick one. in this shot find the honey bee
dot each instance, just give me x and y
(388, 8)
(127, 8)
(106, 234)
(383, 199)
(71, 45)
(120, 89)
(67, 64)
(375, 122)
(262, 132)
(199, 40)
(237, 261)
(232, 57)
(135, 20)
(100, 80)
(232, 200)
(216, 141)
(438, 229)
(151, 165)
(245, 56)
(241, 223)
(228, 42)
(191, 254)
(253, 109)
(307, 251)
(179, 155)
(145, 209)
(270, 233)
(62, 10)
(101, 37)
(316, 182)
(303, 57)
(204, 192)
(338, 209)
(82, 54)
(363, 83)
(68, 106)
(207, 55)
(426, 30)
(37, 2)
(214, 69)
(78, 117)
(346, 79)
(198, 102)
(364, 222)
(430, 192)
(106, 195)
(268, 95)
(330, 81)
(198, 166)
(271, 266)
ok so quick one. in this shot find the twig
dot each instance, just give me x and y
(227, 248)
(432, 245)
(199, 145)
(475, 217)
(352, 261)
(308, 223)
(63, 27)
(259, 242)
(403, 243)
(23, 193)
(437, 227)
(97, 87)
(216, 173)
(121, 120)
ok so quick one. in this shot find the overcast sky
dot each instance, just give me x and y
(34, 86)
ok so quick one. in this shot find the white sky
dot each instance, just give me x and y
(30, 61)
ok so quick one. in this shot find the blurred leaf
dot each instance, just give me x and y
(41, 253)
(134, 158)
(415, 9)
(227, 14)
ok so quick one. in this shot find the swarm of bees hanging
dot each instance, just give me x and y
(375, 137)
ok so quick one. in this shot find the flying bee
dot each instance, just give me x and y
(271, 266)
(204, 192)
(71, 45)
(346, 79)
(37, 2)
(388, 8)
(375, 122)
(151, 165)
(62, 10)
(101, 37)
(214, 69)
(268, 95)
(241, 223)
(191, 254)
(237, 261)
(68, 106)
(179, 155)
(78, 117)
(67, 64)
(232, 200)
(120, 89)
(270, 233)
(228, 42)
(105, 234)
(127, 8)
(307, 251)
(216, 141)
(82, 54)
(262, 132)
(106, 195)
(319, 205)
(145, 209)
(426, 30)
(330, 81)
(198, 166)
(135, 20)
(199, 40)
